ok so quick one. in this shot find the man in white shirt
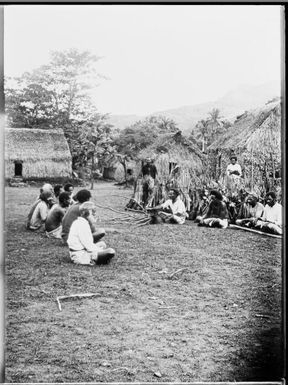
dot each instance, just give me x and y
(271, 220)
(173, 210)
(234, 169)
(233, 176)
(82, 249)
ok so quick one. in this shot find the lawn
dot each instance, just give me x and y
(176, 304)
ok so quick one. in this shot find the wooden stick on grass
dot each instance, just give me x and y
(177, 271)
(146, 222)
(254, 231)
(110, 208)
(81, 295)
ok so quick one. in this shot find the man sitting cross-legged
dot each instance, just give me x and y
(73, 213)
(250, 211)
(217, 214)
(53, 223)
(271, 220)
(82, 249)
(39, 211)
(171, 211)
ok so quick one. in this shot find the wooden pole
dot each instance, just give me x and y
(252, 171)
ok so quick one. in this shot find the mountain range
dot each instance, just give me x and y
(233, 103)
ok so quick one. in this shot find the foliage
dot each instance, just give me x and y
(141, 134)
(56, 95)
(52, 94)
(206, 131)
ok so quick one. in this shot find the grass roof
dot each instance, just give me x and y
(177, 146)
(258, 130)
(32, 144)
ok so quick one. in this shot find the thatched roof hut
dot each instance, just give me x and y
(113, 169)
(255, 138)
(36, 153)
(171, 150)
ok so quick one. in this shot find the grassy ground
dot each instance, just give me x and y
(218, 319)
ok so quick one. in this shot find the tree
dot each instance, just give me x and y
(95, 141)
(52, 94)
(214, 114)
(57, 95)
(210, 129)
(130, 141)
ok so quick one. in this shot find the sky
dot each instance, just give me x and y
(155, 57)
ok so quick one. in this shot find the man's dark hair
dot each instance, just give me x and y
(217, 194)
(233, 157)
(67, 186)
(83, 196)
(64, 196)
(176, 192)
(57, 189)
(271, 194)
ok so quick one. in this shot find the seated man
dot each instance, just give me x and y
(250, 211)
(271, 220)
(203, 205)
(171, 211)
(73, 213)
(69, 188)
(217, 214)
(58, 189)
(82, 249)
(53, 224)
(39, 211)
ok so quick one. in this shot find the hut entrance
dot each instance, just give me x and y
(18, 167)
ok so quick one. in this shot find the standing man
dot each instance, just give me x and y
(149, 173)
(233, 175)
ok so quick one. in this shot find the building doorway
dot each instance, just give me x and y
(18, 168)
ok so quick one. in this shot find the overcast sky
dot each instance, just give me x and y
(156, 57)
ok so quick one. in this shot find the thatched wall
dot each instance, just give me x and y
(171, 149)
(42, 153)
(255, 138)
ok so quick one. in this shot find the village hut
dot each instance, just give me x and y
(113, 169)
(34, 154)
(255, 138)
(179, 163)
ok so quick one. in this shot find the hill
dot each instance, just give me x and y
(233, 103)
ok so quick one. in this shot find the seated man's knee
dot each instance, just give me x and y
(238, 222)
(97, 235)
(105, 256)
(274, 229)
(101, 244)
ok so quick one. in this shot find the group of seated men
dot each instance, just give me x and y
(252, 214)
(71, 219)
(213, 211)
